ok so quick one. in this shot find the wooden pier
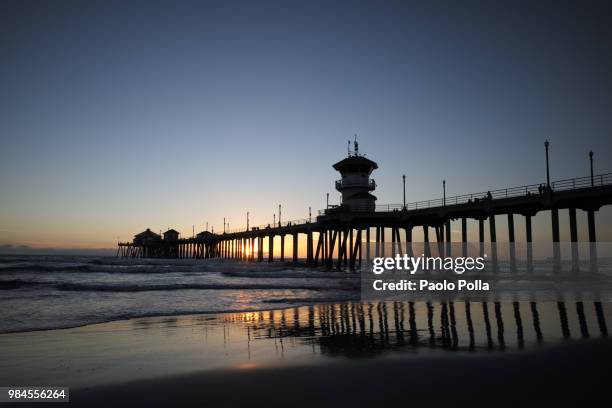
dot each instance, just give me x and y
(337, 237)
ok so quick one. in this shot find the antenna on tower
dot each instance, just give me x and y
(356, 146)
(348, 148)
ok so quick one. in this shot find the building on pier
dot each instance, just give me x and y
(171, 235)
(146, 237)
(355, 184)
(204, 234)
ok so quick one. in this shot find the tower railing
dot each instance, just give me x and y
(370, 183)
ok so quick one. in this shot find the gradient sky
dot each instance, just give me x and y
(117, 116)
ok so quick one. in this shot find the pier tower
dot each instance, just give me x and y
(355, 184)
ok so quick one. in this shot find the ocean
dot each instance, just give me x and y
(51, 292)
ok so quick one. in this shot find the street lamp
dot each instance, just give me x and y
(444, 193)
(546, 143)
(247, 220)
(224, 225)
(279, 215)
(309, 214)
(327, 200)
(404, 180)
(591, 160)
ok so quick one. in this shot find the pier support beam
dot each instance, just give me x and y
(481, 238)
(320, 250)
(368, 244)
(342, 248)
(448, 238)
(464, 237)
(377, 247)
(426, 248)
(528, 234)
(574, 239)
(356, 249)
(511, 242)
(295, 247)
(554, 213)
(270, 248)
(252, 249)
(349, 248)
(309, 248)
(332, 245)
(592, 241)
(493, 236)
(398, 240)
(440, 239)
(282, 254)
(360, 250)
(409, 241)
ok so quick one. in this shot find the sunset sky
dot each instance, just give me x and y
(118, 116)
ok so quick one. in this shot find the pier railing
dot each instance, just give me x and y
(526, 190)
(277, 224)
(530, 189)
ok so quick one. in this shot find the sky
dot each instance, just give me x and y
(118, 116)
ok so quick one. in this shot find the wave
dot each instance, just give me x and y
(105, 287)
(100, 268)
(91, 320)
(184, 286)
(167, 267)
(17, 283)
(292, 274)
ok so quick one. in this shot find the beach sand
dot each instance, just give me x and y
(573, 373)
(351, 353)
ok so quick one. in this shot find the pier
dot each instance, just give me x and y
(341, 236)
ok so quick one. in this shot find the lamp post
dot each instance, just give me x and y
(224, 225)
(327, 201)
(591, 160)
(274, 220)
(247, 220)
(444, 193)
(404, 181)
(309, 214)
(546, 144)
(192, 231)
(279, 215)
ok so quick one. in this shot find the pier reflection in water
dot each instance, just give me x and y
(356, 329)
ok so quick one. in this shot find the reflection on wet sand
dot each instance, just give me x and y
(130, 350)
(366, 328)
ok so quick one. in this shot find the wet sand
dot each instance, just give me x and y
(327, 354)
(572, 373)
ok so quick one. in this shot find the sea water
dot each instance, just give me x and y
(48, 292)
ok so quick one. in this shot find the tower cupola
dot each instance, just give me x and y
(355, 184)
